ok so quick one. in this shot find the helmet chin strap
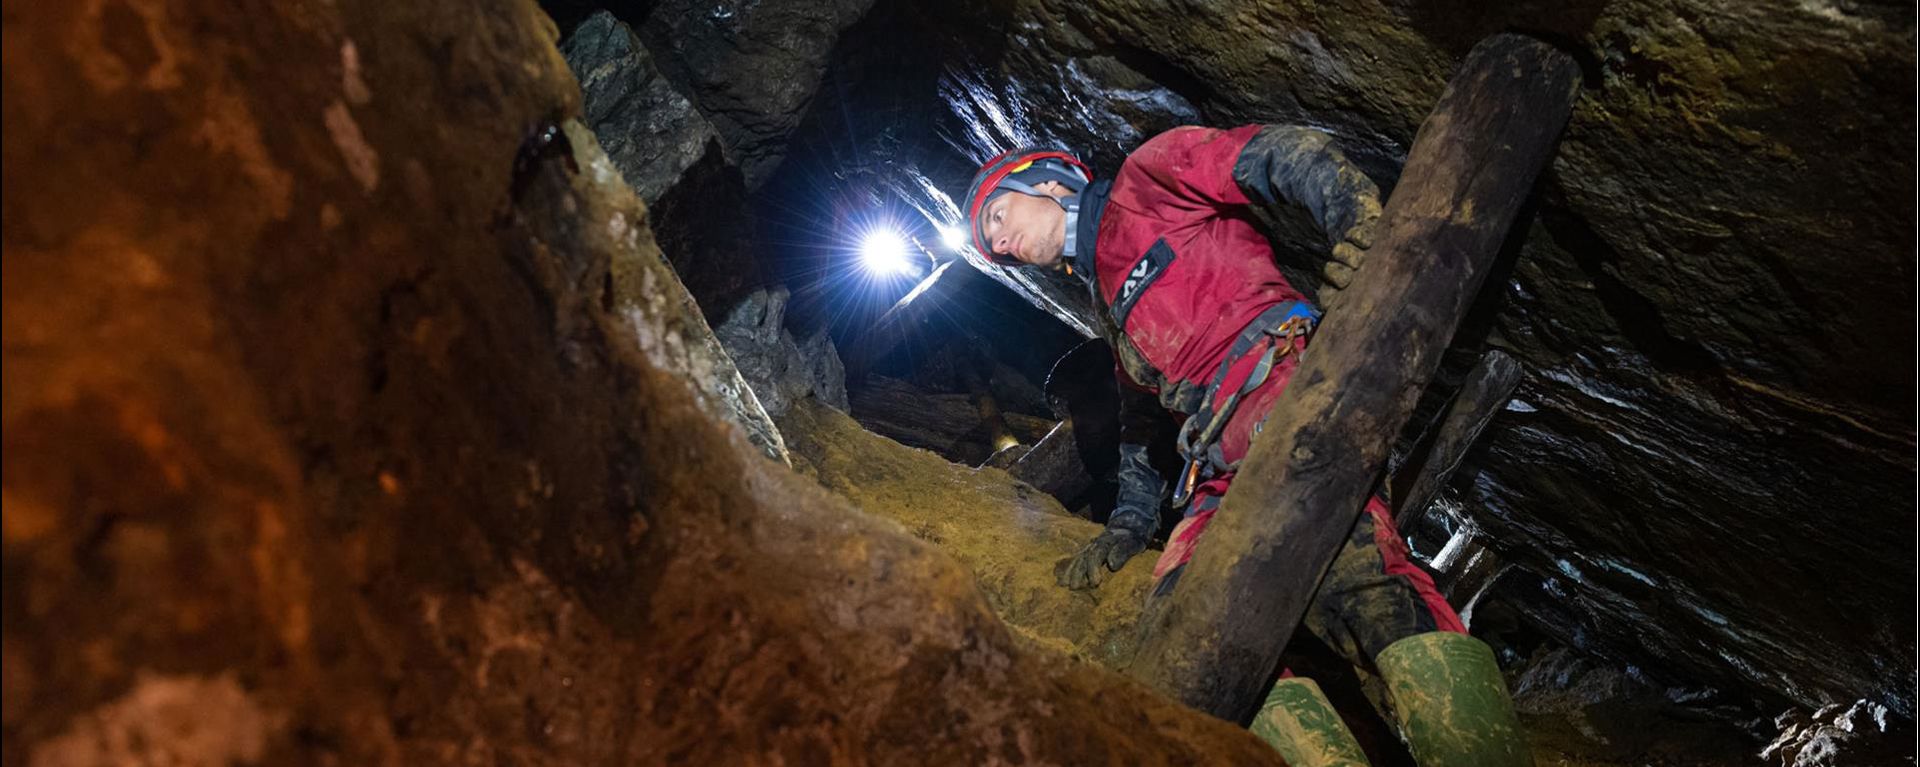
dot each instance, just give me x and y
(1070, 246)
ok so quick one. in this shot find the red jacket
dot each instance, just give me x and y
(1178, 266)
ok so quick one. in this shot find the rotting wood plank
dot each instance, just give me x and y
(1053, 466)
(1443, 448)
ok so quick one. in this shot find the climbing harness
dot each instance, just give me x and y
(1272, 335)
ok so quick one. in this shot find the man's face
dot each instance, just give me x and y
(1031, 229)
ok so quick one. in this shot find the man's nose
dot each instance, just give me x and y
(1001, 242)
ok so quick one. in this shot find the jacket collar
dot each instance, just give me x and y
(1083, 225)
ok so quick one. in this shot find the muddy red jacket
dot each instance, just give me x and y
(1178, 268)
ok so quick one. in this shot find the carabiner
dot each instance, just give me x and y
(1184, 490)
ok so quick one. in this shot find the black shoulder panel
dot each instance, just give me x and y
(1139, 278)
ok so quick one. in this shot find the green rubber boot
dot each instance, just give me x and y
(1300, 723)
(1451, 702)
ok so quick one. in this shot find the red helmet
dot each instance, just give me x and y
(1020, 170)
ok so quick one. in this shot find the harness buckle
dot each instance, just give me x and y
(1203, 428)
(1184, 490)
(1295, 326)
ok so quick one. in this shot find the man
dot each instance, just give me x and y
(1188, 294)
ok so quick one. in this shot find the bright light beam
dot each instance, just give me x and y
(884, 252)
(954, 237)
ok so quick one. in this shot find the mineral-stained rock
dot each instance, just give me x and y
(752, 65)
(670, 154)
(688, 345)
(321, 417)
(1010, 535)
(651, 131)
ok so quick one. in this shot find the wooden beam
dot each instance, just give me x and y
(1441, 450)
(1053, 466)
(974, 360)
(1213, 642)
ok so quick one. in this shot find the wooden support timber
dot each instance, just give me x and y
(1215, 640)
(1441, 450)
(1053, 466)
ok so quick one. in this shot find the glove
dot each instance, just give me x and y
(1106, 553)
(1301, 166)
(1353, 244)
(1132, 521)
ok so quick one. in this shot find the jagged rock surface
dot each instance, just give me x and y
(651, 131)
(351, 408)
(826, 376)
(686, 342)
(752, 66)
(670, 154)
(1840, 734)
(781, 370)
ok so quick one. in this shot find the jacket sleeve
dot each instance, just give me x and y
(1190, 167)
(1301, 166)
(1137, 507)
(1195, 168)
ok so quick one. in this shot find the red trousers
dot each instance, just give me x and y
(1373, 593)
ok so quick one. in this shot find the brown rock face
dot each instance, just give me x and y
(1010, 535)
(350, 417)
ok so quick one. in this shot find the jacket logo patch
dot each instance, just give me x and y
(1139, 278)
(1136, 279)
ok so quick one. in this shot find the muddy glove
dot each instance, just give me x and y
(1106, 553)
(1353, 244)
(1135, 514)
(1301, 166)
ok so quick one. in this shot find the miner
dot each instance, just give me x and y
(1187, 292)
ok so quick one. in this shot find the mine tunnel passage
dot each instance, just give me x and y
(867, 381)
